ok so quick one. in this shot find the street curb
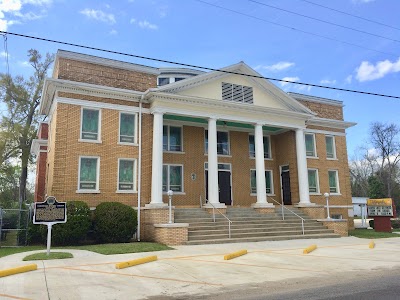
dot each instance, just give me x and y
(309, 249)
(134, 262)
(235, 254)
(18, 270)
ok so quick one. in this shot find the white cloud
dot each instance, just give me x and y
(367, 71)
(349, 79)
(37, 2)
(4, 54)
(24, 64)
(98, 15)
(291, 79)
(113, 32)
(132, 21)
(29, 16)
(362, 1)
(147, 25)
(327, 81)
(282, 65)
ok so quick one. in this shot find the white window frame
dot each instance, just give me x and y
(97, 190)
(182, 178)
(168, 134)
(98, 141)
(135, 131)
(317, 192)
(269, 146)
(134, 176)
(337, 183)
(272, 182)
(334, 147)
(314, 144)
(229, 143)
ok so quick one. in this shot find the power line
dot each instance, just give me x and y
(354, 16)
(195, 66)
(6, 54)
(326, 22)
(296, 29)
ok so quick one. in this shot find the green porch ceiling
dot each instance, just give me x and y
(220, 123)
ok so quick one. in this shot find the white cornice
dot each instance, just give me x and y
(330, 123)
(106, 62)
(316, 99)
(51, 86)
(35, 147)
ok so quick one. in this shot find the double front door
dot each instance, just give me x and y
(224, 184)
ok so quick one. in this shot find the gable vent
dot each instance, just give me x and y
(237, 93)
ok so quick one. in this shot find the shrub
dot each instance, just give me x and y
(36, 234)
(371, 224)
(114, 222)
(76, 228)
(395, 223)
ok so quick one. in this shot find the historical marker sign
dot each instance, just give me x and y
(380, 207)
(50, 211)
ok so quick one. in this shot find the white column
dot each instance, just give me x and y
(157, 162)
(302, 168)
(213, 189)
(260, 168)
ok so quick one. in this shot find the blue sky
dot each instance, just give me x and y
(193, 32)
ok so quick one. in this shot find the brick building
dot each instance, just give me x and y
(117, 131)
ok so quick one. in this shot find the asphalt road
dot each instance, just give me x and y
(371, 285)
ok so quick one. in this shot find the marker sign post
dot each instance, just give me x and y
(381, 210)
(50, 212)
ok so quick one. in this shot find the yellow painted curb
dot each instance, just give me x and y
(235, 254)
(371, 244)
(139, 261)
(18, 270)
(309, 249)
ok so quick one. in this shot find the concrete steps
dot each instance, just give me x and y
(248, 226)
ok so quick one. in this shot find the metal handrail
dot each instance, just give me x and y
(283, 214)
(229, 221)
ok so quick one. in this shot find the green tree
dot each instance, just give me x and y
(19, 125)
(376, 188)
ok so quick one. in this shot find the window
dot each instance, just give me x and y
(268, 182)
(172, 178)
(126, 174)
(127, 128)
(90, 124)
(333, 181)
(252, 147)
(237, 93)
(310, 145)
(88, 173)
(163, 81)
(313, 184)
(172, 138)
(179, 78)
(222, 142)
(330, 147)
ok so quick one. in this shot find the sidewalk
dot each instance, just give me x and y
(190, 270)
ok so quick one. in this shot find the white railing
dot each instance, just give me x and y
(283, 213)
(229, 221)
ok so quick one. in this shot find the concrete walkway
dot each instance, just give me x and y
(191, 270)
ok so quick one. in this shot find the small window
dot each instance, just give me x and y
(268, 182)
(179, 79)
(90, 124)
(172, 138)
(310, 145)
(252, 147)
(337, 216)
(333, 181)
(330, 147)
(222, 142)
(127, 128)
(126, 174)
(88, 173)
(163, 81)
(313, 185)
(172, 178)
(237, 93)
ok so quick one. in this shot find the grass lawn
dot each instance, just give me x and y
(106, 249)
(44, 256)
(371, 234)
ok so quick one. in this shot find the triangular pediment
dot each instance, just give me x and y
(210, 86)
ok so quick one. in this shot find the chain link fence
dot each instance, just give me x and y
(13, 227)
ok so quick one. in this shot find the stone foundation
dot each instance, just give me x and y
(339, 226)
(151, 216)
(171, 234)
(314, 212)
